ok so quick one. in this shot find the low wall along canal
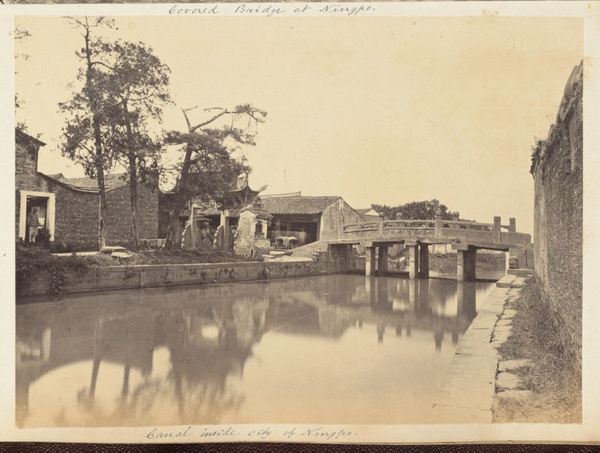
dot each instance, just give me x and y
(148, 276)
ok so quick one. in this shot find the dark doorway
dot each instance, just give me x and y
(41, 206)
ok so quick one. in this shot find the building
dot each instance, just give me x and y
(369, 214)
(68, 208)
(309, 219)
(221, 215)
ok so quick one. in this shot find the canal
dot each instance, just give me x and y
(337, 349)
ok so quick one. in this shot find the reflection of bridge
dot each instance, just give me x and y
(466, 238)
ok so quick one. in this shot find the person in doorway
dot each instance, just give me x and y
(34, 222)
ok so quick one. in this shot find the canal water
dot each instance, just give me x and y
(338, 349)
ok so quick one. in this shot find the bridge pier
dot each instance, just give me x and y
(382, 262)
(465, 265)
(413, 261)
(418, 260)
(424, 261)
(370, 264)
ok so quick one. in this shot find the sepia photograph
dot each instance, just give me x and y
(326, 223)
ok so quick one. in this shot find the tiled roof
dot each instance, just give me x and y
(87, 184)
(297, 204)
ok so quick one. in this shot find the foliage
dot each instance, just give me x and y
(485, 262)
(124, 92)
(416, 210)
(85, 115)
(554, 377)
(86, 131)
(32, 260)
(135, 83)
(188, 257)
(208, 169)
(20, 34)
(213, 169)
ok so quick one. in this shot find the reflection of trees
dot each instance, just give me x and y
(197, 385)
(207, 342)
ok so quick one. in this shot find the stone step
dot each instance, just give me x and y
(512, 365)
(509, 381)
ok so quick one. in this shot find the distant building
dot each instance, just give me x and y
(309, 219)
(369, 214)
(68, 208)
(222, 216)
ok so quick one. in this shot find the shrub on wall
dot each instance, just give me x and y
(31, 260)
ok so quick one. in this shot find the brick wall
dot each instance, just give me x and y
(76, 217)
(118, 222)
(557, 169)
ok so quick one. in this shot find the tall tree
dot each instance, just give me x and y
(83, 134)
(208, 168)
(20, 35)
(135, 83)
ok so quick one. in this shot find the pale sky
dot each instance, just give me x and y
(377, 110)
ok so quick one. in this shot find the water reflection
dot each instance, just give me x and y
(277, 352)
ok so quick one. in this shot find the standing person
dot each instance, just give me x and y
(34, 222)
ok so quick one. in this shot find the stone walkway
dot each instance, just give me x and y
(467, 394)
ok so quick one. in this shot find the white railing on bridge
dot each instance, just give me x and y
(437, 228)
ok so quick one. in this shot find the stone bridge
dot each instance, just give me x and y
(466, 238)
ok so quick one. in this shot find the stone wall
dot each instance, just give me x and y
(247, 243)
(339, 257)
(137, 277)
(557, 169)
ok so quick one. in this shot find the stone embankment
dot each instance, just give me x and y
(477, 372)
(148, 276)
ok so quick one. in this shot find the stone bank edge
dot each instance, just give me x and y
(149, 276)
(469, 386)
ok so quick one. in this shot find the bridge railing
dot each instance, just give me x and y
(439, 227)
(394, 225)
